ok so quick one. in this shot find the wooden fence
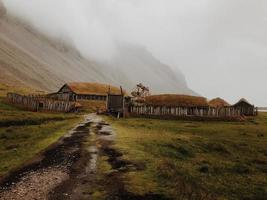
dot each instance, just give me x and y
(40, 103)
(166, 111)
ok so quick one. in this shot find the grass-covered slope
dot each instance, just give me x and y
(218, 159)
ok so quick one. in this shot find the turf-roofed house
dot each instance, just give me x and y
(86, 91)
(171, 104)
(174, 105)
(91, 96)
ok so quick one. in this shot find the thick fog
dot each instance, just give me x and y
(220, 46)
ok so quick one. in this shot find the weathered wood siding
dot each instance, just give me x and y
(246, 109)
(38, 103)
(115, 103)
(148, 110)
(66, 94)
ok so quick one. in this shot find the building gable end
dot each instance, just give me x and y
(66, 89)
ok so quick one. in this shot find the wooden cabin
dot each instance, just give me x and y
(170, 104)
(246, 108)
(85, 91)
(218, 103)
(190, 105)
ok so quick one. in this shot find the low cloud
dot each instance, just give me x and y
(221, 46)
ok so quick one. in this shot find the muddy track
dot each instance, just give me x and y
(68, 169)
(51, 168)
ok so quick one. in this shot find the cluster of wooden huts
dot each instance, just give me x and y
(184, 106)
(117, 101)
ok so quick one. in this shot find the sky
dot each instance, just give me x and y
(220, 46)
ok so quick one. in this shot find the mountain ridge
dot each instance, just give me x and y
(30, 58)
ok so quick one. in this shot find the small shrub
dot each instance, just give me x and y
(166, 169)
(9, 130)
(260, 193)
(261, 164)
(185, 151)
(3, 136)
(262, 168)
(259, 161)
(260, 135)
(217, 147)
(12, 146)
(204, 169)
(256, 194)
(181, 151)
(240, 169)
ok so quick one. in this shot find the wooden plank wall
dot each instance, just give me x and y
(115, 103)
(184, 111)
(39, 103)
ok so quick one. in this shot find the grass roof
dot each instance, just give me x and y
(93, 88)
(218, 102)
(176, 100)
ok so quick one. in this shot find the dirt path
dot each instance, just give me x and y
(69, 169)
(82, 174)
(55, 166)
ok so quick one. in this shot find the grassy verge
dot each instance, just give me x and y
(186, 159)
(23, 134)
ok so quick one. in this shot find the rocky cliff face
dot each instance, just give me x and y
(31, 59)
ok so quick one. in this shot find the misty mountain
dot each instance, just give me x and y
(29, 58)
(139, 66)
(2, 9)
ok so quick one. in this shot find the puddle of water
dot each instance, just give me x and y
(91, 167)
(98, 130)
(93, 163)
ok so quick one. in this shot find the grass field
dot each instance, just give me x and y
(23, 134)
(196, 160)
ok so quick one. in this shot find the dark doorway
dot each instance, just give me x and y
(41, 105)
